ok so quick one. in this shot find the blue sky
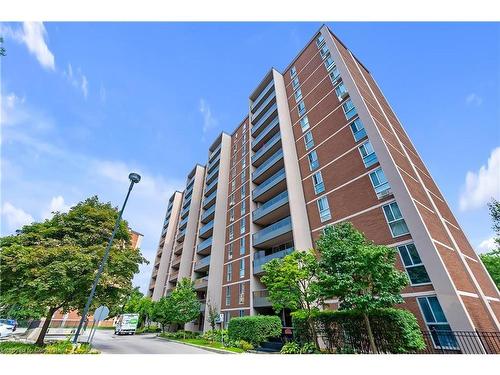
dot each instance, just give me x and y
(85, 103)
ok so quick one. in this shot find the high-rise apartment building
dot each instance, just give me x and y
(320, 145)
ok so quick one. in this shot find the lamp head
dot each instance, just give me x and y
(134, 177)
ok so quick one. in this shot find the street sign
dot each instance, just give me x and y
(101, 313)
(220, 319)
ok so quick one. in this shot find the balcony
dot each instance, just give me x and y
(264, 106)
(211, 187)
(264, 120)
(202, 265)
(208, 215)
(270, 187)
(176, 263)
(188, 192)
(208, 201)
(183, 222)
(266, 134)
(201, 284)
(259, 99)
(215, 153)
(260, 298)
(273, 210)
(211, 165)
(212, 175)
(187, 202)
(269, 148)
(203, 305)
(181, 235)
(260, 259)
(268, 168)
(205, 247)
(184, 212)
(274, 234)
(173, 276)
(178, 249)
(206, 230)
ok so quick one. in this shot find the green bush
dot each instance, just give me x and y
(290, 348)
(254, 329)
(242, 344)
(180, 335)
(19, 348)
(394, 330)
(215, 335)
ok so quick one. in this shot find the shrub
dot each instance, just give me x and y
(254, 329)
(394, 330)
(290, 348)
(59, 347)
(242, 344)
(19, 348)
(215, 335)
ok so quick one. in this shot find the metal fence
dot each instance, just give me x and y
(461, 342)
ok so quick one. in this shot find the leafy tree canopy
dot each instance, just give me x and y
(183, 304)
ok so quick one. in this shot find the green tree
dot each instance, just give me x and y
(491, 260)
(359, 273)
(161, 312)
(145, 310)
(213, 315)
(292, 283)
(51, 265)
(182, 304)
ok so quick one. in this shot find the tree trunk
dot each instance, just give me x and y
(312, 329)
(373, 347)
(45, 327)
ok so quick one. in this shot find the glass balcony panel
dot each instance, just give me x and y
(278, 155)
(260, 258)
(269, 183)
(272, 231)
(265, 90)
(267, 146)
(271, 205)
(259, 124)
(262, 107)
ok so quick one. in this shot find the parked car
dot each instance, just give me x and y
(5, 330)
(10, 322)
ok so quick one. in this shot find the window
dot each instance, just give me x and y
(228, 298)
(227, 315)
(328, 61)
(243, 208)
(308, 140)
(244, 129)
(301, 108)
(395, 219)
(231, 214)
(231, 232)
(324, 209)
(380, 183)
(313, 160)
(242, 313)
(233, 172)
(242, 245)
(293, 72)
(244, 149)
(341, 91)
(231, 199)
(235, 148)
(434, 317)
(230, 251)
(320, 40)
(243, 175)
(243, 191)
(304, 123)
(244, 137)
(295, 83)
(242, 268)
(349, 109)
(358, 129)
(298, 95)
(413, 264)
(324, 51)
(241, 293)
(229, 273)
(334, 74)
(318, 184)
(244, 163)
(233, 185)
(242, 226)
(368, 154)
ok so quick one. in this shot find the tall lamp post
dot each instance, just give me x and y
(134, 179)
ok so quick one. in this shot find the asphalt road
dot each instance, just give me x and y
(108, 343)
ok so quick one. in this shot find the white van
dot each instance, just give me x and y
(126, 324)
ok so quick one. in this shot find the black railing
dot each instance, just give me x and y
(461, 342)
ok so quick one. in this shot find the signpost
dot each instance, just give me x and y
(100, 314)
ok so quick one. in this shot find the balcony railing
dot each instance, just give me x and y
(263, 105)
(210, 186)
(203, 262)
(206, 215)
(269, 128)
(278, 155)
(269, 183)
(207, 227)
(208, 200)
(181, 235)
(261, 298)
(258, 125)
(184, 212)
(272, 231)
(204, 245)
(212, 175)
(260, 259)
(183, 222)
(271, 205)
(213, 163)
(268, 145)
(215, 152)
(174, 275)
(201, 283)
(256, 103)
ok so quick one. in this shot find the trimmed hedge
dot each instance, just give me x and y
(344, 331)
(254, 329)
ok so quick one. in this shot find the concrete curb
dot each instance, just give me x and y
(214, 350)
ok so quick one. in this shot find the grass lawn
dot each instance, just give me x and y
(61, 347)
(215, 344)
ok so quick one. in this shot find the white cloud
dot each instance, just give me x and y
(33, 36)
(56, 205)
(482, 185)
(209, 121)
(473, 99)
(486, 245)
(77, 79)
(15, 217)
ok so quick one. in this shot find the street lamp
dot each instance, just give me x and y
(134, 179)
